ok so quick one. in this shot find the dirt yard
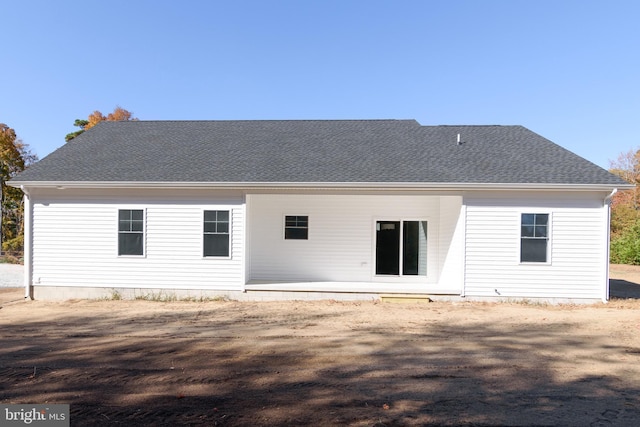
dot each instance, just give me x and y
(135, 363)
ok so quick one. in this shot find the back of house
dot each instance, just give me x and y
(347, 209)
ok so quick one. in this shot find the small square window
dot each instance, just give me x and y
(296, 227)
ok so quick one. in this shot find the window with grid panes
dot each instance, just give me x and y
(130, 232)
(534, 237)
(296, 227)
(217, 232)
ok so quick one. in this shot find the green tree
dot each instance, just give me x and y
(625, 248)
(15, 156)
(625, 211)
(79, 123)
(625, 205)
(96, 117)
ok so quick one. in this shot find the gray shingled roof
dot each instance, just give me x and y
(314, 151)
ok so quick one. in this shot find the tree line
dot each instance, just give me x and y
(625, 211)
(16, 156)
(96, 117)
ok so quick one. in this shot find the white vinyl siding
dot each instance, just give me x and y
(576, 249)
(341, 245)
(75, 244)
(451, 244)
(472, 246)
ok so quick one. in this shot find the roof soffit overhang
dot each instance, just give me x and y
(391, 186)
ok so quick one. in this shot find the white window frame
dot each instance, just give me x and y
(230, 233)
(404, 277)
(548, 238)
(284, 228)
(144, 231)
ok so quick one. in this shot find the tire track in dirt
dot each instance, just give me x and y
(148, 363)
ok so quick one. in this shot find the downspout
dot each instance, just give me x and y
(607, 206)
(28, 265)
(245, 243)
(463, 213)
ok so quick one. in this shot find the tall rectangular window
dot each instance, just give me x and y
(296, 227)
(534, 237)
(217, 232)
(130, 232)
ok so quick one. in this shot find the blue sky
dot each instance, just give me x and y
(566, 69)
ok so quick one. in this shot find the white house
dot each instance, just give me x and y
(316, 209)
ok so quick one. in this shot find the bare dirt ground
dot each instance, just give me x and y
(326, 363)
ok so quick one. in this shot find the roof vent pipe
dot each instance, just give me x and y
(459, 139)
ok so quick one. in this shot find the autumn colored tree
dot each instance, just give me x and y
(96, 117)
(15, 156)
(625, 211)
(625, 205)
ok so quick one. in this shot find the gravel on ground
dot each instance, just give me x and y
(11, 275)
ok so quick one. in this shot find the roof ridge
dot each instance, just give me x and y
(257, 120)
(474, 126)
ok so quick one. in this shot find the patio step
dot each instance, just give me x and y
(405, 298)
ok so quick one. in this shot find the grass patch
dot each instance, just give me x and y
(158, 297)
(116, 295)
(171, 297)
(11, 259)
(218, 298)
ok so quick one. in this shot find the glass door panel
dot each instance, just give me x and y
(414, 248)
(401, 243)
(388, 247)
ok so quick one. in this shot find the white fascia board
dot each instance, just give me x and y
(458, 186)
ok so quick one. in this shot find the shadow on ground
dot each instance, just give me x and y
(220, 366)
(624, 289)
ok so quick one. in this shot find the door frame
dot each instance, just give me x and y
(400, 275)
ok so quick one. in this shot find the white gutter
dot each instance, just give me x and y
(319, 185)
(607, 207)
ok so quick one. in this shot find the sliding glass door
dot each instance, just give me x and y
(401, 248)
